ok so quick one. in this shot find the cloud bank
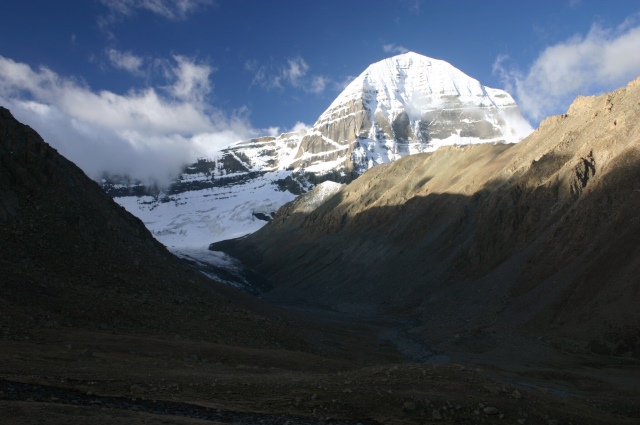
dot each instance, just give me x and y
(148, 134)
(602, 60)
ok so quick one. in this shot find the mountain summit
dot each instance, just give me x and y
(408, 104)
(399, 106)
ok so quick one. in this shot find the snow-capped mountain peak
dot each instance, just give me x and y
(403, 79)
(401, 105)
(412, 103)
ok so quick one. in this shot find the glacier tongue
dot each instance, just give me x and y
(399, 106)
(197, 218)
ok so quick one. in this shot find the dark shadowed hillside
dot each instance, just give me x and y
(70, 256)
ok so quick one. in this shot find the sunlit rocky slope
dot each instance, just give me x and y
(539, 237)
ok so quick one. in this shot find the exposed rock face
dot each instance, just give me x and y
(407, 104)
(402, 105)
(540, 236)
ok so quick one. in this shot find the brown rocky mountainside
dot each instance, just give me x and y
(479, 243)
(100, 324)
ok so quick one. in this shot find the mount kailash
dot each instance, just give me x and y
(399, 106)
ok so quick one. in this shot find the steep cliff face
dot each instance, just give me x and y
(538, 236)
(408, 104)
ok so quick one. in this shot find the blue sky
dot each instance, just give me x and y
(115, 84)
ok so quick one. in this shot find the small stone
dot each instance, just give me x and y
(436, 415)
(501, 416)
(489, 410)
(522, 421)
(409, 405)
(516, 394)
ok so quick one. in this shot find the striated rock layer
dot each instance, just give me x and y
(539, 237)
(408, 104)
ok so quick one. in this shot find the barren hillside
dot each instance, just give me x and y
(540, 237)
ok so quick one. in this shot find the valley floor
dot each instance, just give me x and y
(354, 374)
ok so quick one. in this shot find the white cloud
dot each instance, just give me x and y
(272, 131)
(318, 84)
(296, 69)
(293, 74)
(143, 133)
(394, 48)
(192, 80)
(299, 126)
(275, 131)
(125, 60)
(169, 9)
(602, 60)
(172, 10)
